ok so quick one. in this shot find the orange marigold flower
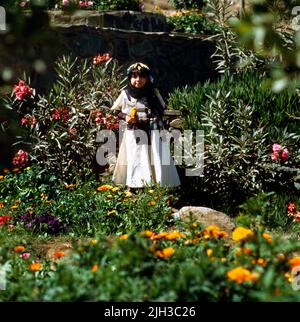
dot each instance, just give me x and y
(146, 233)
(1, 177)
(124, 236)
(166, 252)
(267, 237)
(14, 207)
(59, 254)
(1, 204)
(19, 249)
(95, 268)
(241, 275)
(35, 266)
(242, 234)
(104, 187)
(18, 201)
(5, 170)
(152, 203)
(15, 169)
(174, 235)
(294, 262)
(159, 235)
(243, 250)
(94, 241)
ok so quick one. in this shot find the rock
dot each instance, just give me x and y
(176, 124)
(206, 217)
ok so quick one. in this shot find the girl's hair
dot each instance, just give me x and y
(142, 69)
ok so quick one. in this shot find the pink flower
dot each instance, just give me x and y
(275, 156)
(25, 255)
(285, 154)
(65, 2)
(276, 148)
(22, 90)
(72, 131)
(24, 120)
(291, 207)
(21, 158)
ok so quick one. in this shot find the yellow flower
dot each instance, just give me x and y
(152, 203)
(1, 177)
(209, 252)
(242, 234)
(18, 201)
(1, 204)
(151, 191)
(115, 189)
(19, 248)
(124, 236)
(104, 187)
(35, 266)
(289, 277)
(70, 186)
(95, 268)
(267, 237)
(109, 196)
(214, 231)
(241, 275)
(112, 212)
(14, 207)
(127, 194)
(94, 241)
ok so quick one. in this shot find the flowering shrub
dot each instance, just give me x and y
(239, 127)
(62, 126)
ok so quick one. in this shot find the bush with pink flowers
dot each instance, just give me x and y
(61, 127)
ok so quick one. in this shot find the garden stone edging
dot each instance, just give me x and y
(206, 217)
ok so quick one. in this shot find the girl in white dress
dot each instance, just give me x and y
(144, 158)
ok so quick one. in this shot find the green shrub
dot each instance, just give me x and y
(241, 120)
(192, 22)
(188, 4)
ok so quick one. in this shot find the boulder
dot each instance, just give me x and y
(206, 217)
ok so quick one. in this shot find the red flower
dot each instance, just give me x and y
(61, 113)
(4, 219)
(101, 58)
(22, 90)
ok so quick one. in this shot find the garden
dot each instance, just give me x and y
(65, 223)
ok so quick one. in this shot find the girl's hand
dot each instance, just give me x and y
(128, 119)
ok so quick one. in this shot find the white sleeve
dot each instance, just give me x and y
(118, 104)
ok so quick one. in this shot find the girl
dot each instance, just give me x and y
(143, 154)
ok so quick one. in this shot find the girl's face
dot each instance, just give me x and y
(137, 80)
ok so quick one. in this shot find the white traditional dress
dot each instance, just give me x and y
(144, 159)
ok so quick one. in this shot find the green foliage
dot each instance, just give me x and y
(240, 127)
(82, 206)
(192, 22)
(134, 5)
(189, 4)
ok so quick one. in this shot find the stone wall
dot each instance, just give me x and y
(176, 59)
